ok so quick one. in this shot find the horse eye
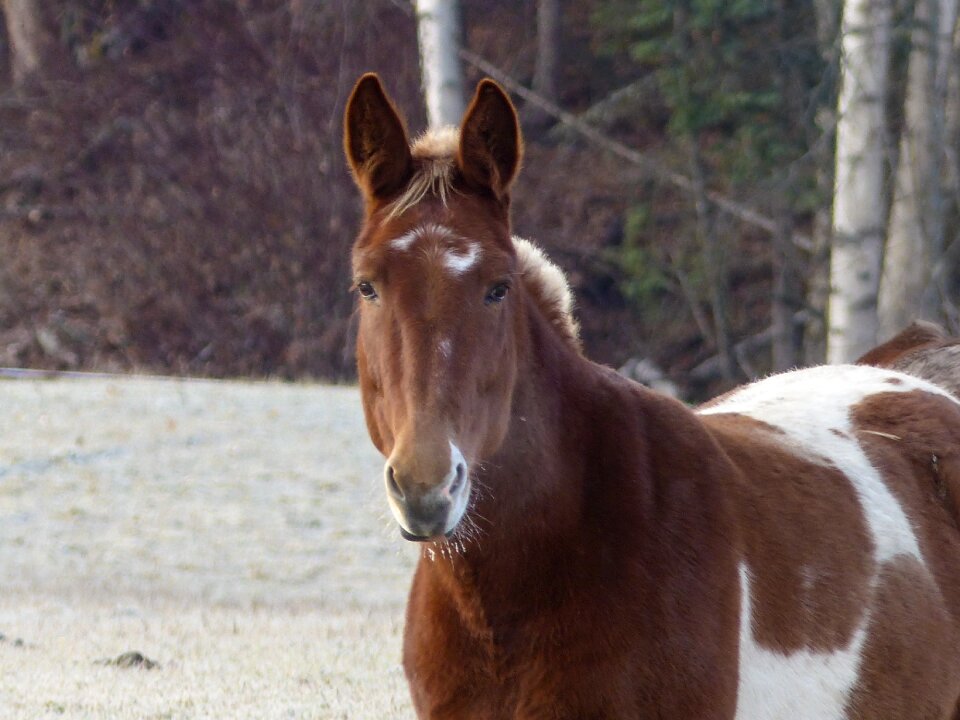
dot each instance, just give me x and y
(366, 290)
(497, 294)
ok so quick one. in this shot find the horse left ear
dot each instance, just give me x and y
(490, 142)
(375, 141)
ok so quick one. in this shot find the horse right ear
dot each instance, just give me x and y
(490, 144)
(375, 141)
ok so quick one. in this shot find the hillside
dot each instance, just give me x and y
(176, 201)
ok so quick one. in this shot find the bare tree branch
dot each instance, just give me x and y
(712, 367)
(649, 165)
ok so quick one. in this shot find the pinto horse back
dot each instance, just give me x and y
(850, 581)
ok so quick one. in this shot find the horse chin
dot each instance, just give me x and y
(411, 537)
(424, 538)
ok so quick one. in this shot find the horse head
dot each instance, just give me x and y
(435, 270)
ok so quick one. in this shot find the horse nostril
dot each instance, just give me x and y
(392, 485)
(458, 480)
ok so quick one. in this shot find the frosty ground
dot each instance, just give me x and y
(234, 533)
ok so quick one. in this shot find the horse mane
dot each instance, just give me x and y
(434, 154)
(549, 287)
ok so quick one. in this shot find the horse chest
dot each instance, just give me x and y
(527, 686)
(576, 666)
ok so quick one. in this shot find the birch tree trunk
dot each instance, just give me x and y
(859, 204)
(33, 42)
(915, 236)
(439, 32)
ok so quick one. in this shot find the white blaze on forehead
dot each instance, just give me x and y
(459, 262)
(804, 685)
(455, 260)
(403, 242)
(812, 407)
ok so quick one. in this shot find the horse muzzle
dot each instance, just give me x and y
(428, 510)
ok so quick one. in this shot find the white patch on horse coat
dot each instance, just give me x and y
(812, 407)
(458, 263)
(403, 242)
(445, 347)
(805, 685)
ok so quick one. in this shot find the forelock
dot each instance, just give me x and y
(434, 154)
(438, 144)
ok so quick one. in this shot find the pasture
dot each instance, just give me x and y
(234, 533)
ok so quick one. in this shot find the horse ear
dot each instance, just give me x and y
(375, 141)
(490, 142)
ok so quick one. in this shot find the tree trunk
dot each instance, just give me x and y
(950, 259)
(439, 32)
(952, 120)
(713, 254)
(818, 268)
(916, 232)
(34, 47)
(859, 205)
(546, 72)
(787, 299)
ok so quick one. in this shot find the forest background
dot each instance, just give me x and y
(733, 187)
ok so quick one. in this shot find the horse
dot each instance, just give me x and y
(592, 549)
(923, 349)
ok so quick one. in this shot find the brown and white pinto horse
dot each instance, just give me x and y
(595, 550)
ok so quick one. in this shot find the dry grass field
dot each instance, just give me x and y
(233, 533)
